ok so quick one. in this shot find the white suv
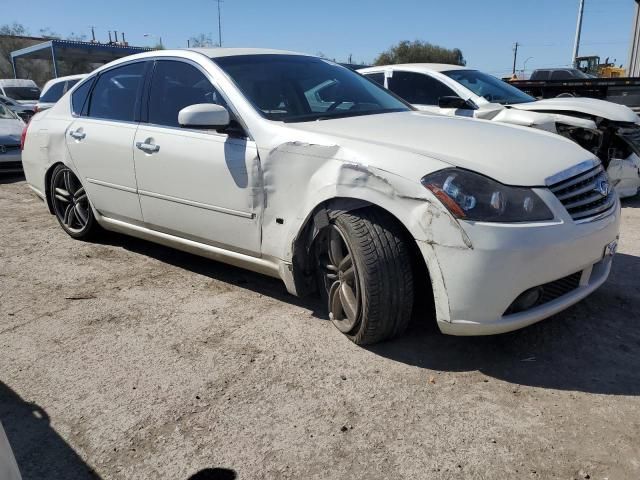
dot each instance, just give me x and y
(239, 156)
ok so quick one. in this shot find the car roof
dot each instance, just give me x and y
(229, 52)
(418, 67)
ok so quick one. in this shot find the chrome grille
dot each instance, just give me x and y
(586, 194)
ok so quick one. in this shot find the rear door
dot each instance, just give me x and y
(100, 139)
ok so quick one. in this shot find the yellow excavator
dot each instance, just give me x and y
(592, 66)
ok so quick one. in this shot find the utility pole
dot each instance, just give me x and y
(515, 56)
(219, 26)
(576, 45)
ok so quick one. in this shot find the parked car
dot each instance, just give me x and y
(23, 91)
(11, 127)
(559, 74)
(55, 88)
(608, 130)
(24, 112)
(356, 195)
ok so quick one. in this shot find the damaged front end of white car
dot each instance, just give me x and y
(609, 131)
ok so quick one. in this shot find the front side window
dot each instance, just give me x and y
(418, 88)
(117, 93)
(54, 93)
(174, 86)
(489, 87)
(297, 88)
(376, 77)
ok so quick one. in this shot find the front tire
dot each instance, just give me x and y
(71, 204)
(366, 276)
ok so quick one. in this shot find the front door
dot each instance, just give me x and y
(100, 141)
(197, 184)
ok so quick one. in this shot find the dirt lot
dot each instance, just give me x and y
(122, 359)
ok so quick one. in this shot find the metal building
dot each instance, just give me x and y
(633, 69)
(88, 54)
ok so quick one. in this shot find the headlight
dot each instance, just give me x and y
(471, 196)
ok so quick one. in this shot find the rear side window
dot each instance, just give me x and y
(79, 102)
(419, 88)
(176, 85)
(376, 77)
(54, 93)
(540, 75)
(561, 75)
(117, 93)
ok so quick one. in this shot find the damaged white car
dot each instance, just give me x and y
(608, 130)
(244, 157)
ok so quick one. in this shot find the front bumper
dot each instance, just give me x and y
(10, 161)
(478, 284)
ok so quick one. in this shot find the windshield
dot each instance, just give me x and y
(23, 93)
(296, 88)
(5, 113)
(488, 87)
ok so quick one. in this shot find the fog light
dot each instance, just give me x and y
(526, 300)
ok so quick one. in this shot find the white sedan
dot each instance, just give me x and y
(608, 130)
(230, 154)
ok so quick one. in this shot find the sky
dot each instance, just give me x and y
(484, 30)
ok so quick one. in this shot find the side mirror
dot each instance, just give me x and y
(204, 115)
(457, 103)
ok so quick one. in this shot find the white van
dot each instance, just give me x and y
(23, 91)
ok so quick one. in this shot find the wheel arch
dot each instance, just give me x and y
(303, 266)
(47, 184)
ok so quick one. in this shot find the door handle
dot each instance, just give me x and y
(77, 134)
(148, 147)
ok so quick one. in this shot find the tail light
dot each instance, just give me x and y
(23, 137)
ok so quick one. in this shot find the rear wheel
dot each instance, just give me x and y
(365, 273)
(71, 204)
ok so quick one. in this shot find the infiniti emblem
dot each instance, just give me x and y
(3, 149)
(602, 187)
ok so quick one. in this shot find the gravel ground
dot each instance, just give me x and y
(122, 359)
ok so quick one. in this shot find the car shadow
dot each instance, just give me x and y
(631, 202)
(255, 282)
(41, 453)
(593, 347)
(6, 178)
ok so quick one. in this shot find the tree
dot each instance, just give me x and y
(15, 29)
(202, 40)
(420, 52)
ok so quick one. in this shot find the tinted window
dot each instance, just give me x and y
(176, 85)
(117, 91)
(376, 77)
(54, 93)
(22, 93)
(540, 75)
(489, 87)
(79, 97)
(297, 88)
(561, 75)
(418, 88)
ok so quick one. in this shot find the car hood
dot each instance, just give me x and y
(589, 106)
(10, 131)
(510, 154)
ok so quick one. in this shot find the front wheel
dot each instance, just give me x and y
(71, 204)
(365, 273)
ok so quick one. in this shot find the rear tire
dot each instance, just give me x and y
(365, 272)
(70, 204)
